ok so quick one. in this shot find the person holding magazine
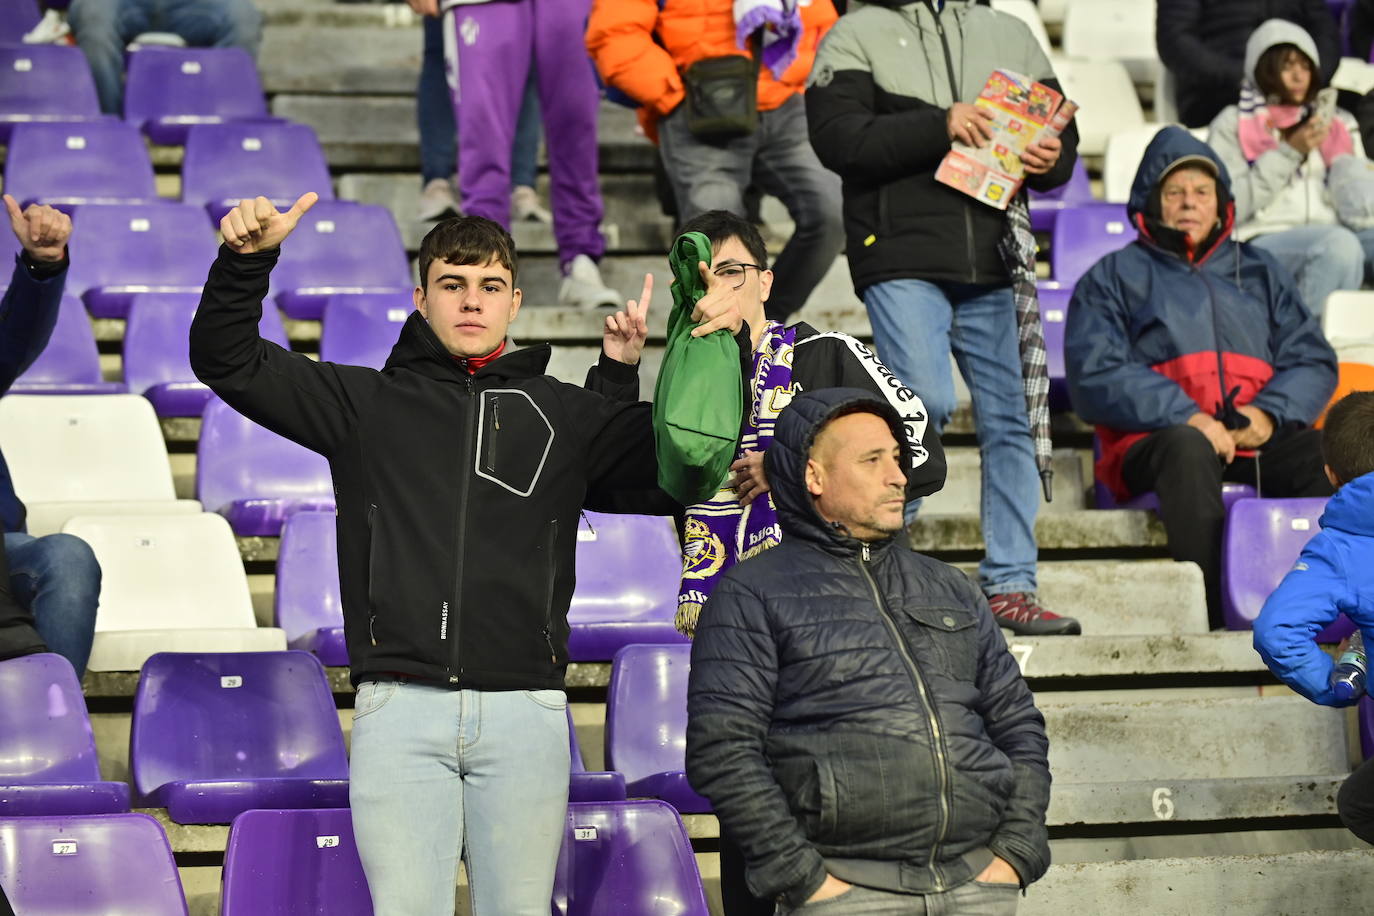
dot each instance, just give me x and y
(938, 270)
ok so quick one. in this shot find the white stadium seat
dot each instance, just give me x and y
(1348, 319)
(84, 454)
(1106, 99)
(1125, 148)
(169, 583)
(1027, 12)
(1119, 30)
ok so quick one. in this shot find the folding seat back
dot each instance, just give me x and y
(1083, 235)
(157, 357)
(1113, 30)
(630, 857)
(225, 163)
(1262, 540)
(169, 89)
(308, 604)
(70, 363)
(1348, 318)
(216, 734)
(100, 863)
(1106, 98)
(254, 477)
(646, 723)
(288, 862)
(42, 83)
(16, 18)
(360, 329)
(629, 568)
(1045, 205)
(1125, 149)
(1054, 311)
(66, 165)
(120, 251)
(590, 785)
(48, 762)
(341, 247)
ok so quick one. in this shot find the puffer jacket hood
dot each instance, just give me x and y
(1170, 148)
(1349, 509)
(1279, 32)
(785, 462)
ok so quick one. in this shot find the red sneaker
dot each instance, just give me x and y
(1021, 613)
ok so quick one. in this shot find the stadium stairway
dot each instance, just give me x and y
(1186, 780)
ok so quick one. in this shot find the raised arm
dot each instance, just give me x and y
(28, 311)
(309, 402)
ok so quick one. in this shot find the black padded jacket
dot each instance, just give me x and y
(853, 709)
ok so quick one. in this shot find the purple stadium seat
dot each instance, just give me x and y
(42, 83)
(1366, 716)
(16, 18)
(99, 863)
(70, 363)
(646, 724)
(120, 251)
(217, 734)
(360, 329)
(629, 568)
(157, 359)
(341, 247)
(629, 858)
(308, 604)
(1262, 540)
(1045, 205)
(290, 862)
(169, 89)
(48, 762)
(225, 163)
(253, 477)
(1054, 310)
(66, 165)
(590, 785)
(1082, 235)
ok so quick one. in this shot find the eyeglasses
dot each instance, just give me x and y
(733, 272)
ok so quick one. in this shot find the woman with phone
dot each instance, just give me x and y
(1280, 143)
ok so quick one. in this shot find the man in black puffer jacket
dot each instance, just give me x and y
(854, 715)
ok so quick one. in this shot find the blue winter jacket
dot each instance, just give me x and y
(1334, 573)
(1159, 331)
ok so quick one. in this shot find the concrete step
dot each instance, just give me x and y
(963, 482)
(376, 131)
(1098, 655)
(1148, 801)
(1316, 883)
(357, 60)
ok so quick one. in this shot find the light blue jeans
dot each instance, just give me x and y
(436, 771)
(103, 27)
(1321, 258)
(57, 579)
(916, 324)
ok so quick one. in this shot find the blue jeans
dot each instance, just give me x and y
(915, 326)
(777, 157)
(57, 579)
(435, 772)
(1321, 258)
(103, 28)
(438, 132)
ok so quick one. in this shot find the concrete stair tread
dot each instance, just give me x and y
(1134, 655)
(1193, 799)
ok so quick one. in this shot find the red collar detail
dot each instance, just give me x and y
(471, 364)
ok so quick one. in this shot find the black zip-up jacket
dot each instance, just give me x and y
(853, 709)
(884, 78)
(458, 495)
(1202, 42)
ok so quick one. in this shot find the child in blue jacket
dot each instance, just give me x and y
(1334, 574)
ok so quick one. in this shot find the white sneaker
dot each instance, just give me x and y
(582, 287)
(437, 201)
(526, 208)
(51, 29)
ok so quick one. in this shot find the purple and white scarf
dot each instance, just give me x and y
(720, 532)
(779, 25)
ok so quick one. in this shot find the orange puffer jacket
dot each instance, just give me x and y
(642, 50)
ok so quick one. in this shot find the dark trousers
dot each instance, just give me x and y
(1182, 468)
(1355, 801)
(734, 893)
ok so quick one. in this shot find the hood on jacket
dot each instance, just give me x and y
(1352, 508)
(1279, 32)
(795, 433)
(1173, 147)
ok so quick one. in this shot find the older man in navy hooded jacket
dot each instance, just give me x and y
(1196, 358)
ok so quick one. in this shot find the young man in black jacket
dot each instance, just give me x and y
(459, 473)
(854, 715)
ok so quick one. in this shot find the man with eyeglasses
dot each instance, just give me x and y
(777, 362)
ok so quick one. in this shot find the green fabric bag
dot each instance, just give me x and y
(699, 399)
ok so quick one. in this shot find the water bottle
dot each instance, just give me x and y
(1347, 681)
